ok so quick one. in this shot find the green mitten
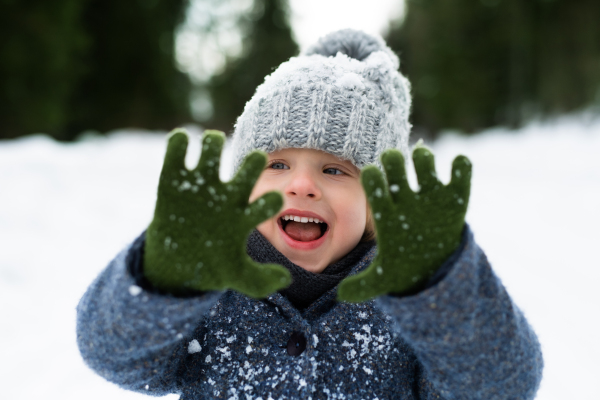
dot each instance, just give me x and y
(197, 239)
(416, 232)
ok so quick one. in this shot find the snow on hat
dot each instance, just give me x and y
(344, 95)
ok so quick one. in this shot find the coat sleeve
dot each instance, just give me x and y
(470, 338)
(133, 337)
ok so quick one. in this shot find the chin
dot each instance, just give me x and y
(315, 268)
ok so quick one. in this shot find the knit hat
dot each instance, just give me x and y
(344, 95)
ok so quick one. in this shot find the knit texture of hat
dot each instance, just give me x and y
(344, 96)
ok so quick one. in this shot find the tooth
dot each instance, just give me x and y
(304, 220)
(297, 219)
(310, 219)
(287, 217)
(316, 220)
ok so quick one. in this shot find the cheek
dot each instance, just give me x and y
(353, 207)
(261, 187)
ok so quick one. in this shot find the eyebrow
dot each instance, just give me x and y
(348, 164)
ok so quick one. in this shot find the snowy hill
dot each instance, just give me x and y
(67, 209)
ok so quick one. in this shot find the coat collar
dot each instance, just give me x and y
(324, 303)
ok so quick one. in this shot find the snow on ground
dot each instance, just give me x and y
(67, 209)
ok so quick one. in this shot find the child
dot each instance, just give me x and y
(307, 306)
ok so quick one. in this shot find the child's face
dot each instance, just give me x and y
(319, 185)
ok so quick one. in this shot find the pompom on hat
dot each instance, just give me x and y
(344, 95)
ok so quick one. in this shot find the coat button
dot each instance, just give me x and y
(296, 344)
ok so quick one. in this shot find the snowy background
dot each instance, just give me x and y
(67, 209)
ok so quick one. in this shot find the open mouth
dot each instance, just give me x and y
(303, 229)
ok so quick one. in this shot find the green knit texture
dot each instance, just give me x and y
(416, 231)
(197, 239)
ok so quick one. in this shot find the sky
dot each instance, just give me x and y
(310, 19)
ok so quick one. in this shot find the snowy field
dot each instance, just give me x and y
(67, 209)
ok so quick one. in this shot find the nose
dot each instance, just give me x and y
(303, 185)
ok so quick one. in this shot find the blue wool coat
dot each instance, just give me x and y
(462, 339)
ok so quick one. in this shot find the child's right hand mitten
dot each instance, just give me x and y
(197, 239)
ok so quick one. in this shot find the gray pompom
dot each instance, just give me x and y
(353, 43)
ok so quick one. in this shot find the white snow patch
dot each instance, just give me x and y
(194, 347)
(134, 290)
(350, 81)
(226, 353)
(231, 339)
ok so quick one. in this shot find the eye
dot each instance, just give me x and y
(278, 165)
(332, 171)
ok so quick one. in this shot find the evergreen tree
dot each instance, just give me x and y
(476, 64)
(268, 42)
(132, 80)
(72, 65)
(41, 46)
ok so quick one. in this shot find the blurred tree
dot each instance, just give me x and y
(41, 48)
(267, 43)
(73, 65)
(132, 80)
(476, 64)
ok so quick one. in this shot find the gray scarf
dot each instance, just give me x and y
(306, 286)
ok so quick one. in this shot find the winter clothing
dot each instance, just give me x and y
(344, 96)
(416, 231)
(460, 339)
(197, 238)
(306, 286)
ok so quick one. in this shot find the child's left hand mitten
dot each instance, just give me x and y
(416, 232)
